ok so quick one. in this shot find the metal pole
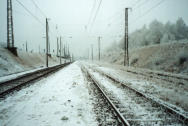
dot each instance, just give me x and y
(64, 50)
(10, 28)
(26, 46)
(99, 39)
(126, 55)
(46, 42)
(57, 46)
(12, 25)
(60, 50)
(8, 40)
(127, 38)
(125, 44)
(68, 50)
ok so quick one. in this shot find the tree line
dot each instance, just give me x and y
(157, 32)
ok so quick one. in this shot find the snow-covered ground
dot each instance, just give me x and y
(64, 98)
(174, 94)
(60, 99)
(168, 57)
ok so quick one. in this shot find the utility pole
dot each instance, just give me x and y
(60, 50)
(92, 52)
(23, 47)
(64, 51)
(10, 30)
(99, 44)
(65, 55)
(47, 42)
(49, 53)
(126, 39)
(67, 50)
(57, 46)
(69, 55)
(88, 53)
(72, 57)
(26, 46)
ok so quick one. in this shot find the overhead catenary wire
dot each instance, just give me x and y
(98, 8)
(148, 11)
(92, 11)
(38, 8)
(121, 10)
(36, 18)
(134, 5)
(112, 20)
(141, 4)
(20, 13)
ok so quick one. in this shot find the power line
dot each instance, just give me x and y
(92, 10)
(139, 5)
(149, 10)
(36, 18)
(119, 12)
(96, 14)
(38, 8)
(21, 13)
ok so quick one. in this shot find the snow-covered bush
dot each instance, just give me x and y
(156, 32)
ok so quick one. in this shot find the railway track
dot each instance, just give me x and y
(120, 120)
(163, 114)
(169, 77)
(9, 86)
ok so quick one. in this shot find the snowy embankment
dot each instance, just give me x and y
(170, 57)
(60, 99)
(25, 61)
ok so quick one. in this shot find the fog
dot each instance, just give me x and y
(75, 21)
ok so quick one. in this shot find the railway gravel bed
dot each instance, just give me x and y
(139, 110)
(105, 107)
(104, 115)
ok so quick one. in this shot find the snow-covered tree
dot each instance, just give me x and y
(156, 32)
(181, 29)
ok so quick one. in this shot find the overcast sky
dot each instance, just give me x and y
(76, 24)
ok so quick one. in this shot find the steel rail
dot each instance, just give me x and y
(23, 80)
(157, 75)
(181, 117)
(119, 115)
